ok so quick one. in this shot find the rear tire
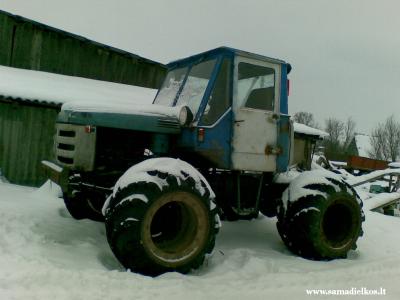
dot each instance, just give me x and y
(153, 230)
(325, 222)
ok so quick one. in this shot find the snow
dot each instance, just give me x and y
(304, 129)
(127, 199)
(359, 180)
(305, 210)
(58, 89)
(287, 177)
(394, 165)
(124, 108)
(80, 94)
(2, 178)
(381, 199)
(176, 167)
(135, 196)
(338, 163)
(296, 188)
(45, 254)
(363, 145)
(52, 166)
(180, 169)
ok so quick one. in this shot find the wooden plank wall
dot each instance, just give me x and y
(31, 45)
(26, 138)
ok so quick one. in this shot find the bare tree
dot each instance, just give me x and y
(378, 144)
(335, 129)
(393, 137)
(332, 142)
(385, 140)
(340, 136)
(349, 132)
(305, 118)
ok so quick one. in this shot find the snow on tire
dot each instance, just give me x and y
(320, 216)
(163, 220)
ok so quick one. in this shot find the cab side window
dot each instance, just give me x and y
(218, 102)
(256, 87)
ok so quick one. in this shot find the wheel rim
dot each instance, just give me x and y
(338, 224)
(175, 228)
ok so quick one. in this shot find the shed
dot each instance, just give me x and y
(28, 108)
(305, 138)
(361, 145)
(29, 104)
(32, 45)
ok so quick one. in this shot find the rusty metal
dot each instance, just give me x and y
(273, 150)
(363, 163)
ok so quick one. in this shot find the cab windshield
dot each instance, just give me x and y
(184, 86)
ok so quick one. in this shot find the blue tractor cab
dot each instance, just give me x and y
(237, 106)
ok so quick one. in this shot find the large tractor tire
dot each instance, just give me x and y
(165, 223)
(320, 216)
(82, 205)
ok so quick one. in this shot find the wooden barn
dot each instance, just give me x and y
(26, 121)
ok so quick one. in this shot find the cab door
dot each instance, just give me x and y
(256, 115)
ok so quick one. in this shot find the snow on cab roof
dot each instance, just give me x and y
(55, 89)
(307, 130)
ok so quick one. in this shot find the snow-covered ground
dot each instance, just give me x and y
(45, 254)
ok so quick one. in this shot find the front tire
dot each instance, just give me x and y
(320, 216)
(153, 230)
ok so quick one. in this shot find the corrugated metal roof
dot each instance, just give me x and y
(34, 102)
(51, 89)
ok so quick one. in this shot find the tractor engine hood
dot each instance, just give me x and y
(141, 117)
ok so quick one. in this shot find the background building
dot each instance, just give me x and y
(27, 124)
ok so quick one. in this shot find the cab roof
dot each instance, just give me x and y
(225, 51)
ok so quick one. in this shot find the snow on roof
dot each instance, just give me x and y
(57, 89)
(307, 130)
(363, 145)
(358, 180)
(395, 165)
(380, 200)
(338, 163)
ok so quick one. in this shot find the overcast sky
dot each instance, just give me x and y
(345, 53)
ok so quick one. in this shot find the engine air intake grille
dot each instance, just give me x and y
(168, 123)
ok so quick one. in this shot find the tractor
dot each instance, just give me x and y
(212, 145)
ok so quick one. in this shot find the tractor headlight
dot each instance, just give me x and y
(185, 116)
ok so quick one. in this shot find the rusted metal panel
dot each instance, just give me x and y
(363, 163)
(26, 138)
